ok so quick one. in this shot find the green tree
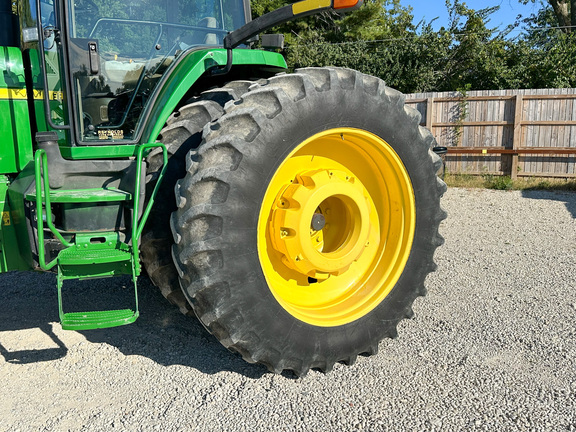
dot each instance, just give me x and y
(376, 19)
(552, 58)
(380, 39)
(564, 13)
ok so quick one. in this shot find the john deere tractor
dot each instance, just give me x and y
(295, 214)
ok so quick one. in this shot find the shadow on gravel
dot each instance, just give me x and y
(568, 198)
(162, 334)
(24, 300)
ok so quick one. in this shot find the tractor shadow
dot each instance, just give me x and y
(26, 319)
(568, 198)
(161, 333)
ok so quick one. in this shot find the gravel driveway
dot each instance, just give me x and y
(491, 348)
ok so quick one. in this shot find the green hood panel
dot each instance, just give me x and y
(16, 142)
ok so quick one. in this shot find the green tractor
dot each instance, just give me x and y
(295, 214)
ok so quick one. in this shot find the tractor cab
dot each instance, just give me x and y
(109, 57)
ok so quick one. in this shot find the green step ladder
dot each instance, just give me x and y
(85, 259)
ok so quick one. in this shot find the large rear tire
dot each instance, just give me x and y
(308, 221)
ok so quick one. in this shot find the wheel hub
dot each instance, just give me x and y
(318, 222)
(321, 222)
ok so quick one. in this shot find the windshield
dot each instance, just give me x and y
(120, 49)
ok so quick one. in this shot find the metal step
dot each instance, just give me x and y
(84, 195)
(97, 319)
(78, 256)
(81, 263)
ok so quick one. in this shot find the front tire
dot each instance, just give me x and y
(308, 224)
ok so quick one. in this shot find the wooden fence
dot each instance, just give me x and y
(504, 132)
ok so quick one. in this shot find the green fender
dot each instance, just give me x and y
(187, 72)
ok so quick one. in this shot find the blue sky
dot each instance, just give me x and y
(509, 9)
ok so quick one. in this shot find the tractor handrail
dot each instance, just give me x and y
(41, 182)
(41, 179)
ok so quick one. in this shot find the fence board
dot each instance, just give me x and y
(537, 119)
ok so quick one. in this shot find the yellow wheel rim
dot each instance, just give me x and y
(336, 226)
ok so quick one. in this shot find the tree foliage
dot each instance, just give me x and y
(380, 39)
(564, 12)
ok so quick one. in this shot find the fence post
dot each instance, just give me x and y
(517, 141)
(429, 111)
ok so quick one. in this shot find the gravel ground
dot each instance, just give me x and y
(491, 348)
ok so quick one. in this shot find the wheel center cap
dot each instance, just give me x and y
(321, 222)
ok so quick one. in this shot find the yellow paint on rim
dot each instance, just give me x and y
(336, 226)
